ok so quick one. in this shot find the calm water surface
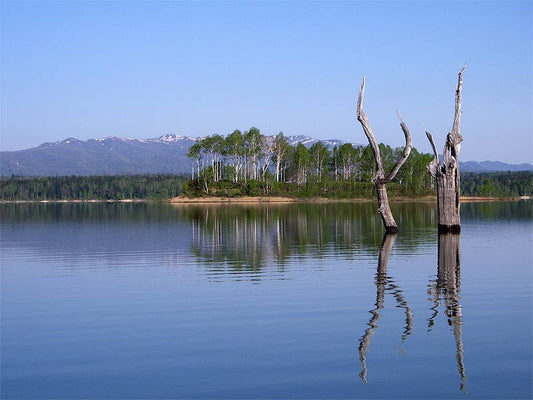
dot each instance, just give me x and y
(265, 301)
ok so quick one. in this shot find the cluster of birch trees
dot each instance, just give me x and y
(250, 155)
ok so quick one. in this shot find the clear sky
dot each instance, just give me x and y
(144, 69)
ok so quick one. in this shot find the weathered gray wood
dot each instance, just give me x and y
(447, 175)
(380, 179)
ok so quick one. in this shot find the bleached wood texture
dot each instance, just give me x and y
(447, 174)
(380, 179)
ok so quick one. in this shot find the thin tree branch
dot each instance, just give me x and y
(457, 116)
(362, 118)
(434, 166)
(406, 150)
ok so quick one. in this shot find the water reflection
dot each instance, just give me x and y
(229, 242)
(79, 278)
(384, 283)
(446, 288)
(253, 237)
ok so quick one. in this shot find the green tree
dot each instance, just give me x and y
(347, 160)
(280, 156)
(320, 158)
(301, 163)
(253, 142)
(194, 153)
(235, 152)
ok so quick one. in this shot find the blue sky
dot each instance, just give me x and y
(143, 69)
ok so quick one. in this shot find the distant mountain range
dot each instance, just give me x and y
(163, 155)
(493, 166)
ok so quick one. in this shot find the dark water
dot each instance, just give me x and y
(287, 301)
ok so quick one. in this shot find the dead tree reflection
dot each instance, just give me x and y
(446, 288)
(384, 284)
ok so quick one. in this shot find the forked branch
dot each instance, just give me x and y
(363, 119)
(380, 179)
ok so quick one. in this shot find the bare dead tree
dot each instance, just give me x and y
(447, 174)
(380, 179)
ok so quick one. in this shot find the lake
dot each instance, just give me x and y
(265, 301)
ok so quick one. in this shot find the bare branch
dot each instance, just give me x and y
(362, 118)
(458, 92)
(434, 165)
(360, 99)
(406, 150)
(432, 142)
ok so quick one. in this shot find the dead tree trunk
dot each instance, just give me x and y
(380, 179)
(447, 175)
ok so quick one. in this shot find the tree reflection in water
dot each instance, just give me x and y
(257, 239)
(254, 239)
(384, 283)
(447, 288)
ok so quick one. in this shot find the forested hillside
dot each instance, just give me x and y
(497, 184)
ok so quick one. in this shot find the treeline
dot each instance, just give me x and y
(497, 184)
(113, 187)
(252, 164)
(413, 181)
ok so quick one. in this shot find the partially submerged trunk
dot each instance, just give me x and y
(383, 207)
(380, 179)
(447, 175)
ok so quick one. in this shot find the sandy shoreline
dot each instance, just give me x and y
(259, 199)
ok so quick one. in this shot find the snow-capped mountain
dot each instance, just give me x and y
(309, 141)
(166, 154)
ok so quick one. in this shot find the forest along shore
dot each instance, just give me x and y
(163, 188)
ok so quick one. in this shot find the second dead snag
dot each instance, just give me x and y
(380, 179)
(447, 174)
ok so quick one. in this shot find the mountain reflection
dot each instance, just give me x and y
(446, 288)
(384, 283)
